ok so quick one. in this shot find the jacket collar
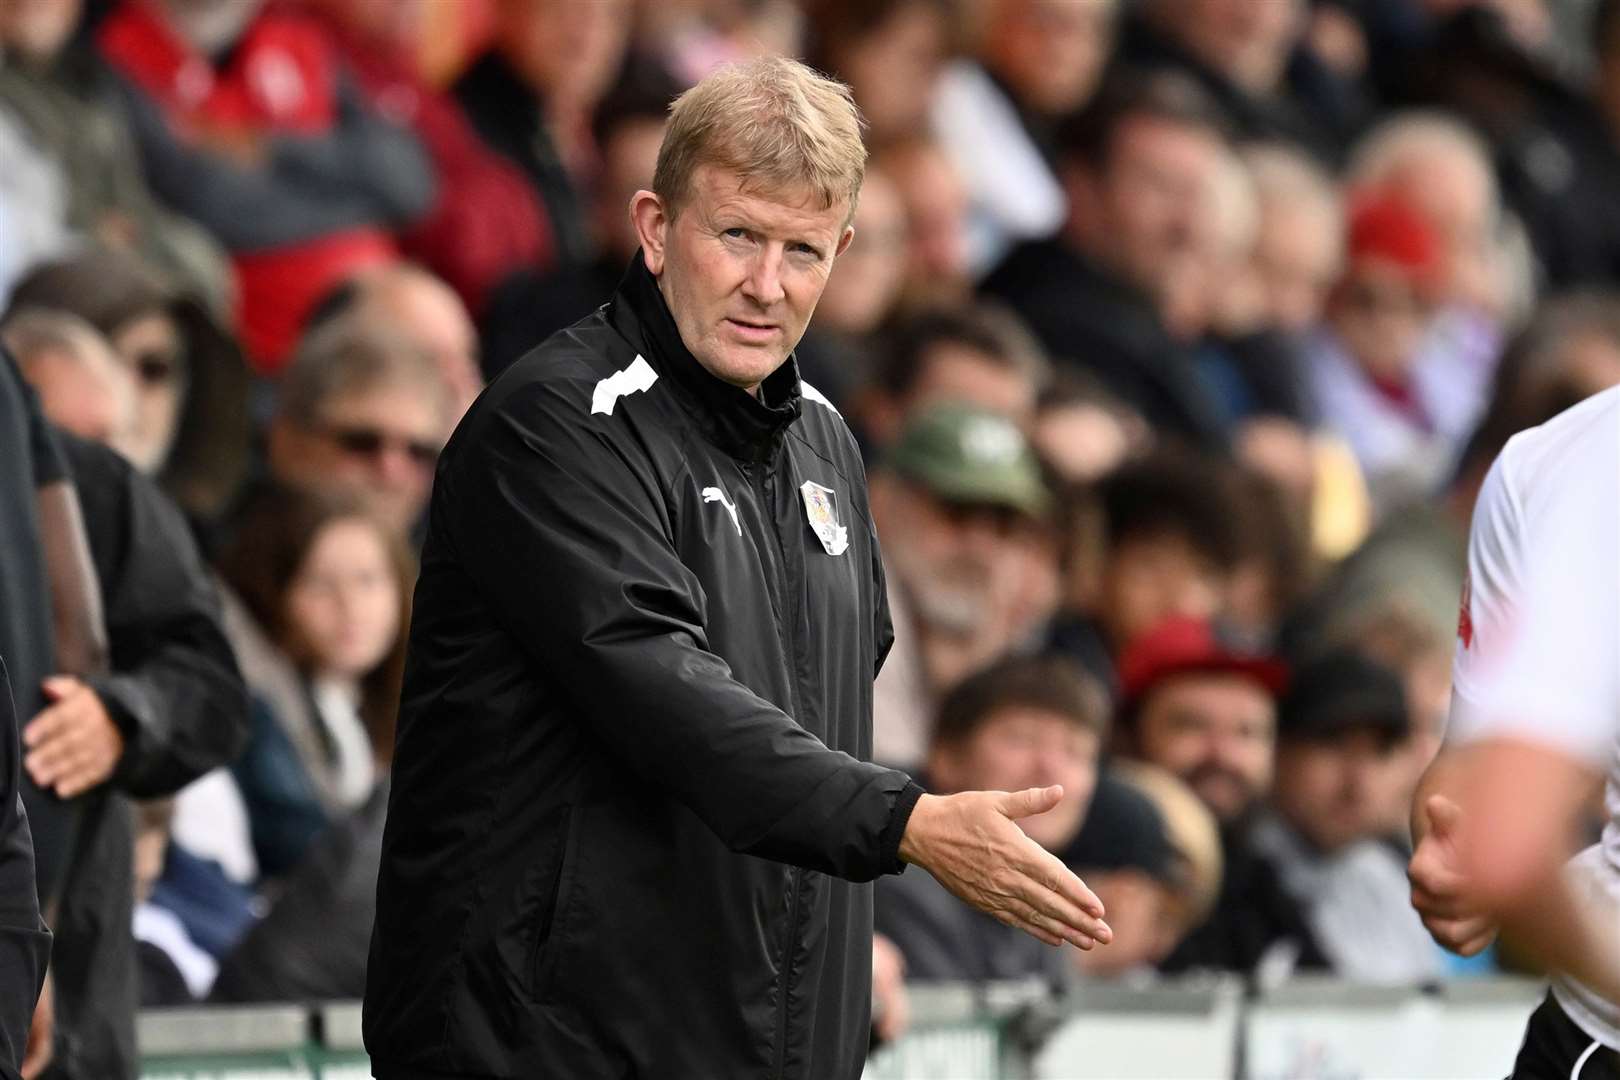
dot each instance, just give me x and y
(745, 426)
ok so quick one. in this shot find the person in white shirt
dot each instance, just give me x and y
(1535, 721)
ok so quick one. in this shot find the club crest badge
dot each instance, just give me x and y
(820, 508)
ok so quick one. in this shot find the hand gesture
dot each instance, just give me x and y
(1439, 889)
(971, 844)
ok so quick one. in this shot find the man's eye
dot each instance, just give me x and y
(736, 234)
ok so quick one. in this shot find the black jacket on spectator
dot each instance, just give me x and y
(631, 788)
(178, 699)
(511, 118)
(1090, 320)
(1255, 920)
(1314, 109)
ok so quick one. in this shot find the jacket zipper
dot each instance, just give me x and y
(759, 473)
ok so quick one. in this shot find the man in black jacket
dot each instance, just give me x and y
(631, 790)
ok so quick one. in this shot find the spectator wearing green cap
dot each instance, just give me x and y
(961, 506)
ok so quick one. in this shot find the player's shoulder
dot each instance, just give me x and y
(1584, 438)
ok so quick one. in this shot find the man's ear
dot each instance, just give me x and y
(843, 241)
(651, 220)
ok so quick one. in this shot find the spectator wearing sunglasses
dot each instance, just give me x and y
(190, 430)
(362, 411)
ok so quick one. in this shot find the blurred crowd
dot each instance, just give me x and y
(1178, 334)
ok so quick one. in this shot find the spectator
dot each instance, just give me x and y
(1340, 733)
(1136, 165)
(407, 299)
(1153, 850)
(68, 101)
(486, 222)
(936, 221)
(959, 498)
(532, 305)
(1206, 713)
(82, 386)
(1248, 56)
(838, 351)
(295, 175)
(531, 96)
(997, 117)
(362, 411)
(1023, 722)
(1169, 546)
(889, 53)
(1375, 383)
(170, 708)
(1442, 170)
(979, 355)
(329, 586)
(1300, 244)
(191, 407)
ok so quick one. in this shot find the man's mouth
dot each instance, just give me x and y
(749, 330)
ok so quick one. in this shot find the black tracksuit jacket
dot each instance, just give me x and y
(632, 804)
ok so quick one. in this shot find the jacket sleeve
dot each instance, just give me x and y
(25, 944)
(558, 519)
(174, 689)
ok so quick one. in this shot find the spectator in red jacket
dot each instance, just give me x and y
(249, 123)
(487, 221)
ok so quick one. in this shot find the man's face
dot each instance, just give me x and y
(380, 444)
(567, 50)
(1214, 731)
(1051, 52)
(1332, 789)
(1150, 579)
(741, 270)
(953, 560)
(1382, 317)
(1148, 917)
(1297, 258)
(1151, 198)
(936, 203)
(1020, 747)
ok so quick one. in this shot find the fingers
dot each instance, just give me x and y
(1021, 916)
(69, 749)
(1066, 907)
(57, 687)
(1031, 801)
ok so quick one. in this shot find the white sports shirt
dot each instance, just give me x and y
(1538, 636)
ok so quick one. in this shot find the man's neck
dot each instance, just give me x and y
(209, 28)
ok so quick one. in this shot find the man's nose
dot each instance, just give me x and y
(764, 282)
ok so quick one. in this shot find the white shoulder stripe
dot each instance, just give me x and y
(638, 376)
(810, 393)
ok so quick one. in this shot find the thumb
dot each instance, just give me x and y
(1445, 816)
(1031, 801)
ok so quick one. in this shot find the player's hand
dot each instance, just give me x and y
(73, 744)
(1440, 890)
(971, 844)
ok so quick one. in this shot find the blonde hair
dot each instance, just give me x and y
(773, 121)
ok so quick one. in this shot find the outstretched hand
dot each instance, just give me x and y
(1439, 888)
(971, 843)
